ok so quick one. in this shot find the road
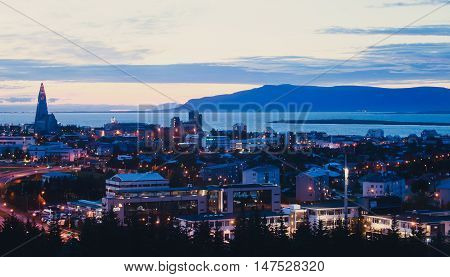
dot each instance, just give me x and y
(22, 216)
(5, 211)
(17, 172)
(11, 175)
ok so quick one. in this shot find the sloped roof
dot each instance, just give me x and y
(135, 177)
(444, 184)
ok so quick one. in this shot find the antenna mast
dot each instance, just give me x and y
(346, 192)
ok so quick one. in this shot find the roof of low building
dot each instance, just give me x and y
(263, 168)
(86, 203)
(318, 172)
(334, 204)
(136, 177)
(416, 217)
(379, 178)
(444, 184)
(225, 216)
(56, 174)
(225, 165)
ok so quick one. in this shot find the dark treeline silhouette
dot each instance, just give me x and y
(252, 237)
(27, 195)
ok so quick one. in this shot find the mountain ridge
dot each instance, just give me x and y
(335, 98)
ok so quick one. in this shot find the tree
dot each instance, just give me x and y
(303, 237)
(340, 238)
(102, 239)
(218, 243)
(202, 239)
(419, 232)
(20, 239)
(281, 230)
(319, 230)
(357, 228)
(53, 239)
(240, 243)
(320, 236)
(394, 232)
(390, 241)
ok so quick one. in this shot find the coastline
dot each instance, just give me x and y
(362, 121)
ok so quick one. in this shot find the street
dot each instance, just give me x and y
(20, 172)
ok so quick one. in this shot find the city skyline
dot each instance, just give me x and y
(195, 49)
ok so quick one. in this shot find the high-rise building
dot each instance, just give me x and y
(175, 122)
(44, 122)
(196, 118)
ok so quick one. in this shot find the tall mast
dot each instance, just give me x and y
(345, 192)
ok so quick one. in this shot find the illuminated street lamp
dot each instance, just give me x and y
(346, 192)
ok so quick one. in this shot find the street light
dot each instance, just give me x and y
(345, 192)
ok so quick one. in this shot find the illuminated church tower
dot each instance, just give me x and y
(44, 122)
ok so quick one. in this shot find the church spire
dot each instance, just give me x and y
(41, 110)
(41, 96)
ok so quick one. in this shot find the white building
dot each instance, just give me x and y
(330, 212)
(265, 174)
(50, 176)
(311, 185)
(443, 193)
(16, 142)
(216, 142)
(124, 157)
(238, 144)
(432, 223)
(296, 216)
(226, 223)
(54, 150)
(133, 184)
(145, 195)
(374, 185)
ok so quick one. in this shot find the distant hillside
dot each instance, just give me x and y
(338, 99)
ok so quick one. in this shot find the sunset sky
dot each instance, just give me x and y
(189, 49)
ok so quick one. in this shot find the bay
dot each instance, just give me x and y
(254, 121)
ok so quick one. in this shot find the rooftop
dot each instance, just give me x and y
(222, 216)
(376, 177)
(56, 174)
(444, 184)
(225, 165)
(136, 177)
(318, 172)
(328, 205)
(86, 203)
(416, 217)
(263, 168)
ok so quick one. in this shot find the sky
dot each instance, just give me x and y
(152, 52)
